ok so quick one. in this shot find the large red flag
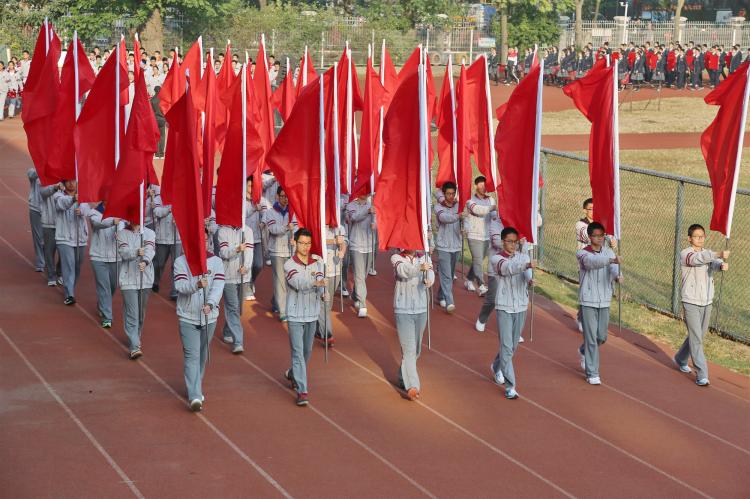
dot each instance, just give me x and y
(242, 152)
(517, 141)
(595, 95)
(446, 123)
(368, 143)
(126, 197)
(262, 94)
(223, 83)
(389, 81)
(208, 89)
(99, 132)
(307, 73)
(136, 58)
(399, 203)
(40, 100)
(722, 142)
(61, 163)
(285, 95)
(187, 207)
(479, 107)
(175, 81)
(349, 101)
(464, 180)
(331, 105)
(297, 161)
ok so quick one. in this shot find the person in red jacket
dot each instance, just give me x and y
(712, 65)
(671, 65)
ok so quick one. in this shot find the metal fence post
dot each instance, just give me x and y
(676, 272)
(471, 45)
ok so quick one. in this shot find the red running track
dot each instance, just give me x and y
(78, 419)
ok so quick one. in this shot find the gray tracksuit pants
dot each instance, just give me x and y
(324, 321)
(195, 340)
(54, 269)
(279, 284)
(132, 319)
(37, 236)
(478, 250)
(410, 328)
(361, 265)
(163, 253)
(447, 269)
(509, 327)
(697, 320)
(489, 300)
(105, 276)
(255, 269)
(595, 325)
(301, 336)
(232, 320)
(71, 266)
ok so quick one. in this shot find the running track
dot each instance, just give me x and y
(79, 420)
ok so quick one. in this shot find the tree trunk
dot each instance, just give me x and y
(579, 25)
(262, 4)
(677, 15)
(597, 6)
(504, 33)
(152, 37)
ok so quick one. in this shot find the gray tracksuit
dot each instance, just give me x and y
(253, 219)
(48, 231)
(596, 276)
(410, 308)
(361, 238)
(279, 249)
(168, 243)
(68, 225)
(477, 225)
(230, 239)
(132, 280)
(511, 303)
(448, 245)
(333, 274)
(697, 291)
(496, 245)
(103, 254)
(35, 217)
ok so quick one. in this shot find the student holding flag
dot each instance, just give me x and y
(336, 247)
(476, 224)
(253, 217)
(281, 227)
(448, 243)
(236, 253)
(103, 254)
(71, 236)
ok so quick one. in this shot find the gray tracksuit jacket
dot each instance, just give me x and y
(303, 297)
(190, 296)
(164, 225)
(128, 243)
(496, 242)
(66, 220)
(279, 234)
(359, 218)
(698, 267)
(229, 240)
(410, 294)
(253, 217)
(596, 276)
(512, 281)
(333, 262)
(35, 196)
(477, 224)
(449, 228)
(48, 206)
(103, 237)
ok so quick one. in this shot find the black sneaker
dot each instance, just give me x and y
(290, 377)
(155, 288)
(106, 324)
(69, 300)
(136, 354)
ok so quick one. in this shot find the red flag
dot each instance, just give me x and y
(463, 144)
(446, 122)
(349, 101)
(400, 197)
(595, 96)
(223, 84)
(332, 160)
(208, 88)
(40, 96)
(174, 83)
(721, 144)
(230, 186)
(187, 208)
(136, 58)
(285, 95)
(517, 141)
(262, 93)
(297, 161)
(388, 75)
(125, 197)
(61, 163)
(368, 144)
(480, 118)
(98, 136)
(307, 73)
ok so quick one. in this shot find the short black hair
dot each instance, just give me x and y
(587, 202)
(448, 185)
(479, 179)
(157, 88)
(279, 190)
(595, 226)
(695, 227)
(507, 231)
(302, 232)
(249, 179)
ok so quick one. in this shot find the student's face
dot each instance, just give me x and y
(249, 188)
(131, 77)
(698, 239)
(70, 185)
(481, 188)
(283, 200)
(450, 195)
(11, 66)
(510, 243)
(303, 245)
(597, 237)
(589, 211)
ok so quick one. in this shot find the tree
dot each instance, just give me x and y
(677, 14)
(579, 24)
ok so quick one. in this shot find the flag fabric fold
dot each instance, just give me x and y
(262, 98)
(446, 123)
(284, 96)
(224, 81)
(477, 100)
(307, 73)
(368, 142)
(208, 89)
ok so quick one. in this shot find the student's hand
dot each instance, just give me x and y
(321, 283)
(425, 267)
(339, 240)
(531, 265)
(243, 270)
(116, 221)
(724, 266)
(724, 254)
(60, 186)
(202, 283)
(612, 242)
(77, 211)
(290, 227)
(617, 259)
(619, 279)
(140, 252)
(373, 226)
(326, 297)
(206, 309)
(341, 253)
(142, 266)
(242, 247)
(372, 210)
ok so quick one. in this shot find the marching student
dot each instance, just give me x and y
(197, 312)
(35, 218)
(476, 225)
(71, 236)
(306, 285)
(168, 243)
(698, 265)
(496, 245)
(448, 243)
(513, 276)
(414, 277)
(49, 214)
(280, 245)
(253, 217)
(103, 255)
(582, 238)
(360, 215)
(598, 269)
(237, 258)
(136, 278)
(336, 246)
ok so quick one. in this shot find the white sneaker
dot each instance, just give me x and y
(455, 277)
(511, 394)
(482, 290)
(250, 298)
(238, 349)
(345, 292)
(362, 312)
(497, 376)
(442, 303)
(268, 263)
(520, 339)
(450, 308)
(594, 381)
(583, 360)
(479, 326)
(228, 339)
(196, 405)
(372, 272)
(580, 326)
(684, 368)
(469, 285)
(51, 283)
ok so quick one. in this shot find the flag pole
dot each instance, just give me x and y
(74, 46)
(349, 119)
(616, 183)
(243, 84)
(423, 178)
(322, 221)
(337, 167)
(535, 185)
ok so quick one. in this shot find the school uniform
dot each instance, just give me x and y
(196, 328)
(681, 71)
(49, 213)
(280, 250)
(253, 217)
(596, 276)
(10, 88)
(511, 302)
(302, 312)
(448, 245)
(71, 237)
(230, 239)
(168, 242)
(103, 255)
(35, 218)
(476, 225)
(361, 239)
(496, 245)
(697, 292)
(134, 284)
(333, 274)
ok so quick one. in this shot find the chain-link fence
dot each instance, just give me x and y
(657, 209)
